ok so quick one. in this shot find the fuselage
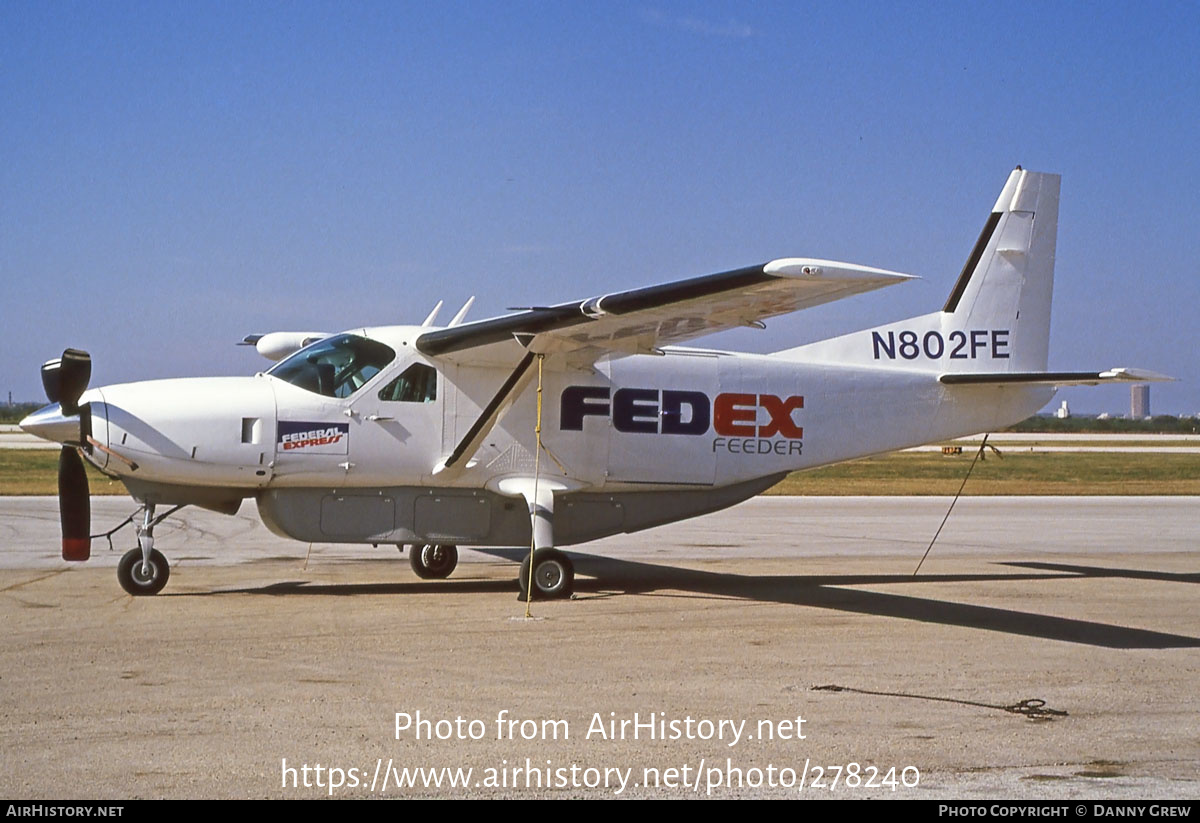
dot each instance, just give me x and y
(687, 420)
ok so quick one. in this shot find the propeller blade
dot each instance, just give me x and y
(74, 506)
(65, 378)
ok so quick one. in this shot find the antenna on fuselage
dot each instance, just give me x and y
(462, 313)
(432, 315)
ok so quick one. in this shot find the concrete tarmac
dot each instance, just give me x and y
(707, 641)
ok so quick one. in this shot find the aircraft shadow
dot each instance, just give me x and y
(827, 592)
(1102, 571)
(610, 577)
(291, 587)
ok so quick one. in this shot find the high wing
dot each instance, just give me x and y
(638, 321)
(643, 320)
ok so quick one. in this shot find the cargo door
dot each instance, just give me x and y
(661, 419)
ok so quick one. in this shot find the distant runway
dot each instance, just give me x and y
(252, 661)
(11, 437)
(1028, 442)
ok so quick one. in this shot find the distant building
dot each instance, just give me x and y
(1139, 402)
(1063, 412)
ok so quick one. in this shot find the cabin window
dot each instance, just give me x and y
(416, 384)
(336, 366)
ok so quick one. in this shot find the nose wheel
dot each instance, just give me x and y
(143, 577)
(144, 571)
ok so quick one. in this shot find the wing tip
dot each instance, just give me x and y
(1126, 375)
(809, 267)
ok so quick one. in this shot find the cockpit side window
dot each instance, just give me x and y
(335, 367)
(416, 384)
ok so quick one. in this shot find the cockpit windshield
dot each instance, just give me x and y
(335, 367)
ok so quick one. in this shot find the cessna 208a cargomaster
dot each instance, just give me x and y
(562, 424)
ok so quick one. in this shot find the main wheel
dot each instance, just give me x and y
(139, 582)
(553, 575)
(433, 561)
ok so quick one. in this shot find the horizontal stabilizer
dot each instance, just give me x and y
(1055, 378)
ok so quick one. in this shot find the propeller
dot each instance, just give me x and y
(74, 506)
(65, 380)
(66, 377)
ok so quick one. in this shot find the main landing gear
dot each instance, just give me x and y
(144, 570)
(553, 572)
(553, 575)
(432, 561)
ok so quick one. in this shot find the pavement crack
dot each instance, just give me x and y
(54, 573)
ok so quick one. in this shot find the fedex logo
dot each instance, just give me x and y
(313, 438)
(668, 411)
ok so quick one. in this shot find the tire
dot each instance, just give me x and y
(129, 573)
(431, 561)
(553, 575)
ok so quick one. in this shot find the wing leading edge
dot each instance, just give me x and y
(643, 320)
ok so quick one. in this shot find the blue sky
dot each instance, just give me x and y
(177, 175)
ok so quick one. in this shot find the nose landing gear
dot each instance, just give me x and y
(143, 577)
(144, 570)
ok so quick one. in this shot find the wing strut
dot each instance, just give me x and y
(490, 414)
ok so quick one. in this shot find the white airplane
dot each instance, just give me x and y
(563, 424)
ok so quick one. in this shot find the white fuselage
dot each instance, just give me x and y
(686, 420)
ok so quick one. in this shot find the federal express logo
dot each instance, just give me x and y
(734, 416)
(314, 438)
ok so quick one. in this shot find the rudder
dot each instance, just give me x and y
(1008, 281)
(997, 317)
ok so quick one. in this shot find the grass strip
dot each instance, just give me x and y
(29, 471)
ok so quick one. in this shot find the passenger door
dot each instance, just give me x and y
(396, 436)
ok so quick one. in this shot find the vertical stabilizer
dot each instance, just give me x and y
(1008, 280)
(997, 317)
